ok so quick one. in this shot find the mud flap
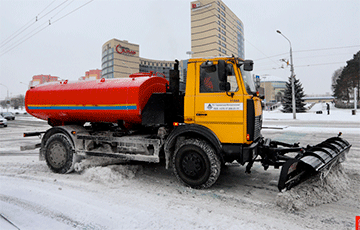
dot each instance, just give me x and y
(315, 159)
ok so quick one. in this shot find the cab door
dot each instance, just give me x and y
(216, 109)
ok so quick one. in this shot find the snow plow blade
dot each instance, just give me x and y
(313, 160)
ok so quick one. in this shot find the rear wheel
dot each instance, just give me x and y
(196, 163)
(59, 153)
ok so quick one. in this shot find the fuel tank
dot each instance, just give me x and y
(104, 100)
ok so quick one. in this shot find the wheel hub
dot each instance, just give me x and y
(57, 155)
(192, 164)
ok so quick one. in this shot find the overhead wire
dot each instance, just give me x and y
(46, 7)
(311, 50)
(48, 24)
(34, 20)
(306, 65)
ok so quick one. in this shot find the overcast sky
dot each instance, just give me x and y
(324, 35)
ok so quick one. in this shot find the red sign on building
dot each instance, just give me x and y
(195, 5)
(124, 50)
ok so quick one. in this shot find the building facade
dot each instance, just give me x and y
(215, 30)
(120, 58)
(91, 75)
(274, 88)
(40, 79)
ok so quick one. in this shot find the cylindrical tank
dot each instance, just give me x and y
(105, 100)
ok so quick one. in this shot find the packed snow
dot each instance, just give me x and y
(119, 195)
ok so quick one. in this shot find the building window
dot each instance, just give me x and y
(222, 19)
(218, 16)
(222, 7)
(218, 3)
(218, 9)
(223, 32)
(223, 38)
(219, 48)
(222, 13)
(223, 26)
(219, 35)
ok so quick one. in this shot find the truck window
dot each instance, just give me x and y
(231, 78)
(209, 82)
(248, 80)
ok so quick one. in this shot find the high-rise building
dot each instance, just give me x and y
(215, 30)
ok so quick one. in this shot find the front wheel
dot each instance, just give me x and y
(59, 153)
(196, 163)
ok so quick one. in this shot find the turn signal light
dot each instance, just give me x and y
(247, 136)
(175, 123)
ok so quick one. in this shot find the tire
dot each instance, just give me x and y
(196, 164)
(59, 153)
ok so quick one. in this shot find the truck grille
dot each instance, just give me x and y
(257, 128)
(254, 123)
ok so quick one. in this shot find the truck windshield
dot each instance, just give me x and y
(248, 80)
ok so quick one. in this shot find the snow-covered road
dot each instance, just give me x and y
(147, 196)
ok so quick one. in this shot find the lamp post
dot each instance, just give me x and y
(292, 78)
(23, 83)
(7, 97)
(190, 53)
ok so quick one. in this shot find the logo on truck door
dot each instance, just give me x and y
(223, 106)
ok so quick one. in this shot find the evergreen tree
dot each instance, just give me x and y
(349, 77)
(299, 94)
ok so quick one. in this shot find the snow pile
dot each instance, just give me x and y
(326, 187)
(96, 161)
(335, 114)
(112, 174)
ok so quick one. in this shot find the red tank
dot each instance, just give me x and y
(105, 100)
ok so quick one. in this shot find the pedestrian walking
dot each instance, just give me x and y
(328, 108)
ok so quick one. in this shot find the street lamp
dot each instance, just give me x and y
(190, 53)
(292, 77)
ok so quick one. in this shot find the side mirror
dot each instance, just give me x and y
(248, 65)
(224, 86)
(222, 71)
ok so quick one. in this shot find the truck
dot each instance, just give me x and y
(216, 118)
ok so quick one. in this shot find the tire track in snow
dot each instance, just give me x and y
(41, 210)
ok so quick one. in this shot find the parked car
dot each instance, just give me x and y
(3, 121)
(8, 115)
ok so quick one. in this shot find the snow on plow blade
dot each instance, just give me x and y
(315, 159)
